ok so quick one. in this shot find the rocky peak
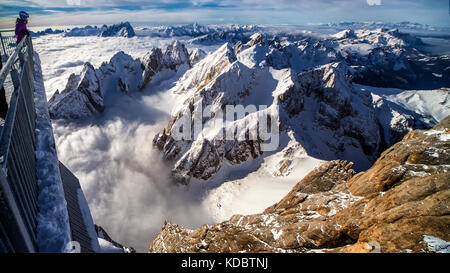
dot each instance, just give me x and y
(398, 205)
(345, 34)
(207, 69)
(325, 97)
(256, 39)
(90, 86)
(176, 54)
(196, 55)
(155, 61)
(82, 92)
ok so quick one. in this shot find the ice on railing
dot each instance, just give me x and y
(53, 229)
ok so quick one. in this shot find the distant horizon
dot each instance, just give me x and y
(50, 13)
(142, 24)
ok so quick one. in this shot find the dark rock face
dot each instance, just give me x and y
(337, 109)
(395, 206)
(122, 29)
(155, 61)
(46, 32)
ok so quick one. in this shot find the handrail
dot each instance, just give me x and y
(11, 60)
(8, 44)
(18, 183)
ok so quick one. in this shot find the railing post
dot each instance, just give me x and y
(3, 45)
(16, 225)
(21, 59)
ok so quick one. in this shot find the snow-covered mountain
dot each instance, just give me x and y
(318, 109)
(84, 31)
(390, 58)
(379, 54)
(204, 35)
(81, 97)
(397, 206)
(196, 30)
(380, 57)
(123, 29)
(45, 32)
(84, 94)
(375, 25)
(307, 84)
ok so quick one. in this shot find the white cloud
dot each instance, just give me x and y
(374, 2)
(126, 183)
(73, 2)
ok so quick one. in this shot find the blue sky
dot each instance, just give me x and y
(294, 12)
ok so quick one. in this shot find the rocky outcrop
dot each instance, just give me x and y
(101, 233)
(196, 55)
(82, 92)
(398, 205)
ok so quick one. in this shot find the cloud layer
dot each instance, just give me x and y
(126, 183)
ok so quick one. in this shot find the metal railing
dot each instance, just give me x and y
(8, 43)
(18, 185)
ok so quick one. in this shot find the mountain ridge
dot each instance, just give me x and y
(320, 106)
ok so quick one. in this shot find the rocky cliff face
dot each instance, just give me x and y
(399, 205)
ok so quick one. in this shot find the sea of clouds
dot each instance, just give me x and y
(125, 180)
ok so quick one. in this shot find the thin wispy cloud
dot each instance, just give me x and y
(295, 12)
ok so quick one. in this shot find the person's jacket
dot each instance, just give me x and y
(21, 29)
